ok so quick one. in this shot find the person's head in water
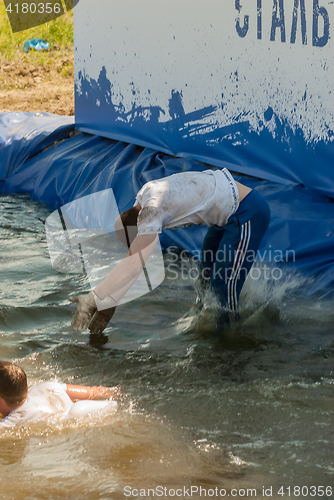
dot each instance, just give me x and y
(126, 226)
(13, 387)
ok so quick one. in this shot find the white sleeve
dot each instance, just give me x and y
(149, 220)
(51, 386)
(14, 418)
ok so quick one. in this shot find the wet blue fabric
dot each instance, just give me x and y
(284, 156)
(23, 135)
(300, 237)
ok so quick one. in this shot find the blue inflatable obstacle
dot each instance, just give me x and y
(41, 156)
(24, 135)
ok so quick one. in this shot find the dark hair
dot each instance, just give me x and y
(13, 384)
(126, 231)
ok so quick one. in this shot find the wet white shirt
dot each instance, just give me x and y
(50, 399)
(203, 198)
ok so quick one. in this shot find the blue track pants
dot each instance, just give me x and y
(228, 252)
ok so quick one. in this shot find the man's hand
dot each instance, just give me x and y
(100, 320)
(85, 311)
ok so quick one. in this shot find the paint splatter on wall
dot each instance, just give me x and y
(197, 78)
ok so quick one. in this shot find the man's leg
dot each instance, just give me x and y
(240, 242)
(225, 267)
(209, 251)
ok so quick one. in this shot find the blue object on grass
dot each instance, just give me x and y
(37, 44)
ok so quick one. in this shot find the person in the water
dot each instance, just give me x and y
(237, 217)
(47, 400)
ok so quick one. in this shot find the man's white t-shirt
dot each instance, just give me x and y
(50, 400)
(204, 198)
(43, 400)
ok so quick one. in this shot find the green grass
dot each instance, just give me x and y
(59, 34)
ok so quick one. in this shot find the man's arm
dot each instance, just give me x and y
(81, 392)
(122, 277)
(113, 287)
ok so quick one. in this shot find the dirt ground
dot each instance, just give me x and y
(32, 86)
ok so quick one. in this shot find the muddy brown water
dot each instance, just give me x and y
(246, 412)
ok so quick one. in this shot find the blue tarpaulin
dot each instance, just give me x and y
(283, 157)
(23, 135)
(300, 237)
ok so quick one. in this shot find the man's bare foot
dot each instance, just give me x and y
(85, 311)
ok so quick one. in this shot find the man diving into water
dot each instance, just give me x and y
(237, 217)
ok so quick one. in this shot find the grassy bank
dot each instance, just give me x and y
(59, 34)
(40, 81)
